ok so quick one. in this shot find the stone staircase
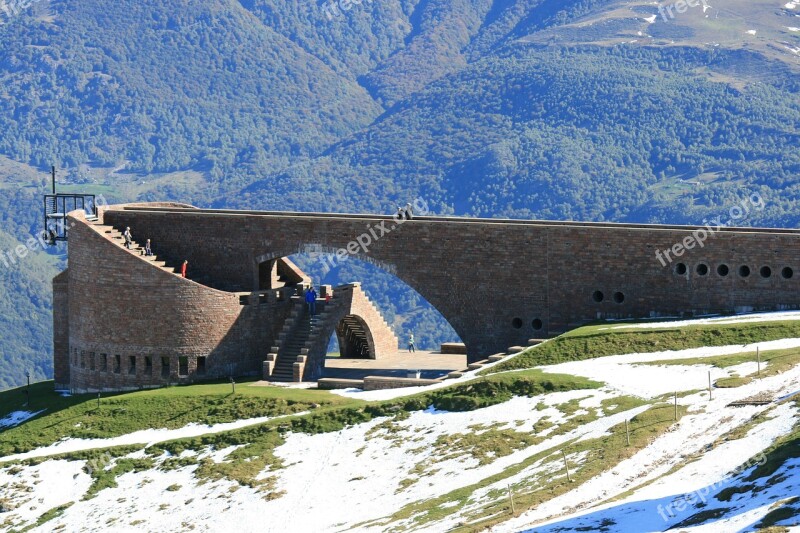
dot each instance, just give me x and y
(300, 332)
(299, 352)
(115, 235)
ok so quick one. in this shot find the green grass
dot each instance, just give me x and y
(257, 443)
(773, 362)
(173, 407)
(494, 389)
(787, 447)
(784, 511)
(103, 479)
(702, 517)
(55, 512)
(598, 341)
(601, 454)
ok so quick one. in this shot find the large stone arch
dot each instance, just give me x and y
(501, 282)
(355, 338)
(440, 302)
(349, 302)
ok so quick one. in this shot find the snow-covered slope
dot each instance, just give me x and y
(718, 468)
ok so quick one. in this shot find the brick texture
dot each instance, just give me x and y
(498, 283)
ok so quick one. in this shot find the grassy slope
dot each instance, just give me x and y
(174, 407)
(598, 341)
(773, 362)
(78, 416)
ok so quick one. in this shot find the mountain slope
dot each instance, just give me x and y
(460, 452)
(577, 109)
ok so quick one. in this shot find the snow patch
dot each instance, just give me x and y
(146, 437)
(740, 319)
(16, 418)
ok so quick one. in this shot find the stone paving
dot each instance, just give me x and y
(431, 364)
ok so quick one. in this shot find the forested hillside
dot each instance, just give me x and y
(577, 109)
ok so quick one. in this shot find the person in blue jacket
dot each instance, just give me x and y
(311, 300)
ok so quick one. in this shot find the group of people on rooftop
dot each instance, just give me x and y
(405, 213)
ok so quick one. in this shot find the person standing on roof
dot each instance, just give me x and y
(147, 249)
(311, 300)
(411, 347)
(409, 211)
(184, 266)
(128, 238)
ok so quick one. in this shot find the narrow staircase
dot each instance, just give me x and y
(115, 235)
(299, 333)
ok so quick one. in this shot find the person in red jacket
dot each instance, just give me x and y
(183, 267)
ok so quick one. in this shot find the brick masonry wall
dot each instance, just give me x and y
(61, 330)
(499, 283)
(350, 300)
(122, 307)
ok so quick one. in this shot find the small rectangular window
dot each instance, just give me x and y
(91, 361)
(103, 362)
(83, 359)
(148, 365)
(201, 365)
(165, 367)
(183, 366)
(132, 364)
(117, 364)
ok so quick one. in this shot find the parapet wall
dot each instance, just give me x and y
(498, 282)
(133, 325)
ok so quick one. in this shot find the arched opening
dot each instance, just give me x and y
(354, 338)
(358, 346)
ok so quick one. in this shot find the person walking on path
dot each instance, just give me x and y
(147, 250)
(411, 347)
(311, 300)
(128, 238)
(184, 266)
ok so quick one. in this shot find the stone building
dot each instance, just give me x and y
(123, 320)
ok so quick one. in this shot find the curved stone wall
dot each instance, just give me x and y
(133, 325)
